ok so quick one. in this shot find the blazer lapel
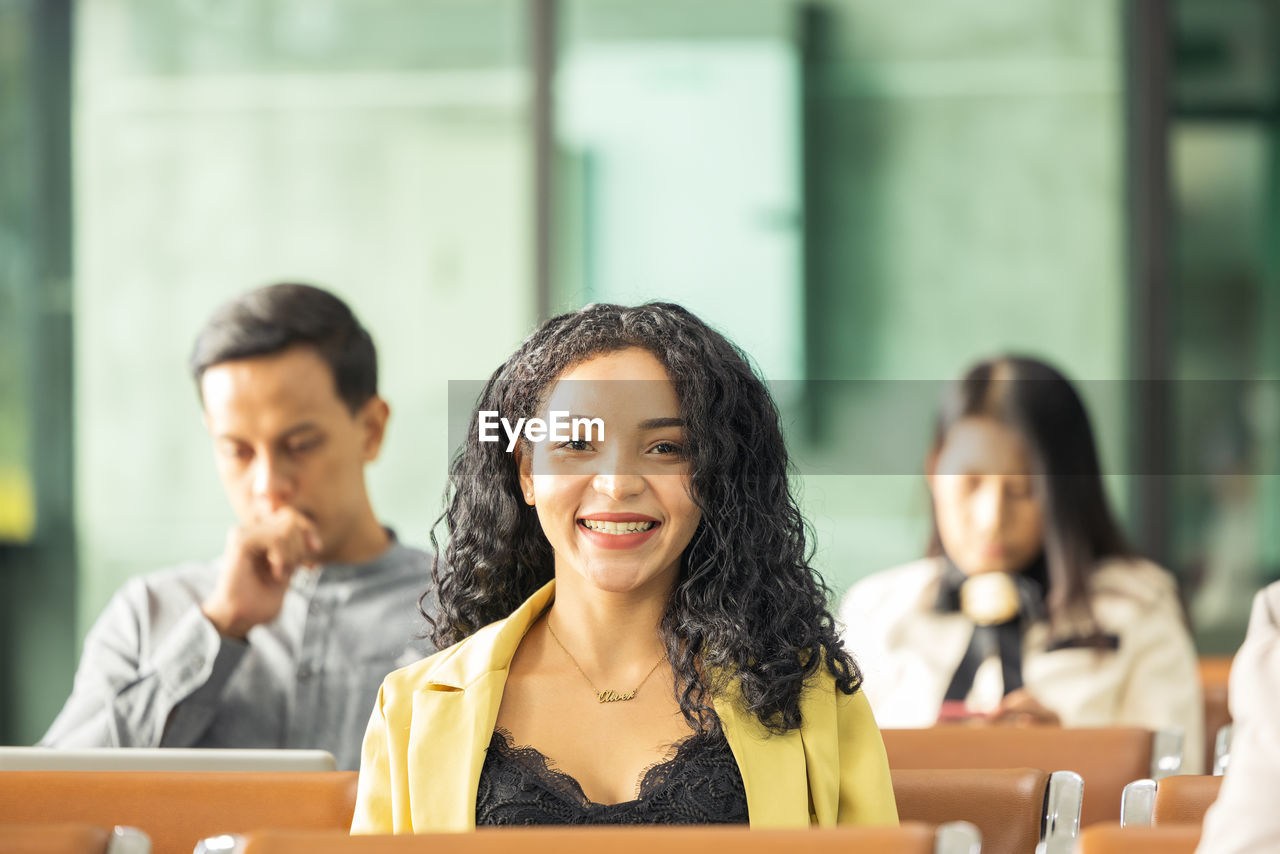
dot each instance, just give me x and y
(445, 780)
(772, 767)
(821, 756)
(454, 713)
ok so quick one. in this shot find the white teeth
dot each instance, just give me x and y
(617, 527)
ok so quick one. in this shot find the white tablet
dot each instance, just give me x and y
(162, 759)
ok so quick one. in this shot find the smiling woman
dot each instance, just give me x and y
(637, 609)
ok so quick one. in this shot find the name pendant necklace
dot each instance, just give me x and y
(608, 695)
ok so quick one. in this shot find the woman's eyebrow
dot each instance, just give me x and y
(659, 423)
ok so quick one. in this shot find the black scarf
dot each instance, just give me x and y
(1004, 639)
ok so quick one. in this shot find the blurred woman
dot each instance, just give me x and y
(637, 634)
(1030, 607)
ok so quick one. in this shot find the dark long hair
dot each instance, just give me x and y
(1040, 405)
(747, 603)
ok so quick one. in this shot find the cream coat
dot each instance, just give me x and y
(908, 654)
(1245, 818)
(427, 737)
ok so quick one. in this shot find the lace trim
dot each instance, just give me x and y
(697, 782)
(565, 784)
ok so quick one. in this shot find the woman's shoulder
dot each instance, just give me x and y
(457, 667)
(887, 597)
(1126, 593)
(1267, 606)
(1134, 578)
(1254, 682)
(453, 667)
(827, 708)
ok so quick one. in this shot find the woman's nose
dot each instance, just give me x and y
(988, 508)
(617, 485)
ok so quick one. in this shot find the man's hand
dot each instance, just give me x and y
(257, 564)
(1019, 708)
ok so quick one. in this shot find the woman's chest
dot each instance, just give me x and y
(605, 746)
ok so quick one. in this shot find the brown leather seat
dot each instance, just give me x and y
(177, 809)
(908, 839)
(1107, 758)
(1111, 838)
(1006, 804)
(53, 839)
(1214, 673)
(1184, 799)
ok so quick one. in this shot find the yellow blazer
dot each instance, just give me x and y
(429, 731)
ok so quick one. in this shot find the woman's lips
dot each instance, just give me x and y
(618, 530)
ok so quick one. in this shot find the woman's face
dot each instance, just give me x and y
(985, 499)
(618, 512)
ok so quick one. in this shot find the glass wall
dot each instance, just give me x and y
(37, 541)
(17, 501)
(866, 199)
(659, 197)
(17, 92)
(1225, 310)
(850, 191)
(378, 148)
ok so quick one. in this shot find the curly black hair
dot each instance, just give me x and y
(747, 603)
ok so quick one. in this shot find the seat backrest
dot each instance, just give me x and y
(1111, 838)
(1005, 804)
(909, 838)
(176, 809)
(1214, 673)
(1184, 799)
(53, 839)
(1107, 758)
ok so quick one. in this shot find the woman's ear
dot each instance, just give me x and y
(524, 464)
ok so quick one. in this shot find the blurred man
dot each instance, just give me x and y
(283, 640)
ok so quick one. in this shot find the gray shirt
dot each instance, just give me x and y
(156, 673)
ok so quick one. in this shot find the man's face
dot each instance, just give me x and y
(283, 437)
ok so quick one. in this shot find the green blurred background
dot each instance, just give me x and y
(851, 189)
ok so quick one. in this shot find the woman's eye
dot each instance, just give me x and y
(575, 445)
(667, 448)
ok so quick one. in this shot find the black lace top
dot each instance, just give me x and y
(699, 784)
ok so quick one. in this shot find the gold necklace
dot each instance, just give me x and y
(608, 695)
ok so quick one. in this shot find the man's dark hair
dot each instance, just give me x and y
(271, 319)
